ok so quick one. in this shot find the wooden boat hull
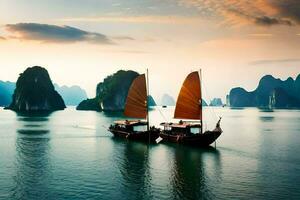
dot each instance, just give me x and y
(201, 140)
(137, 136)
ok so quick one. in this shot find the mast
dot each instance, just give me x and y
(148, 129)
(200, 101)
(148, 102)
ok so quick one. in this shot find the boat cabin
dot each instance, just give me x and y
(131, 125)
(182, 128)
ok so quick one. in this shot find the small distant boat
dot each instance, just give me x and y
(189, 106)
(136, 107)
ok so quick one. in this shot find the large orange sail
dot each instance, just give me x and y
(189, 100)
(136, 102)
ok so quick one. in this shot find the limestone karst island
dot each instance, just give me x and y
(149, 100)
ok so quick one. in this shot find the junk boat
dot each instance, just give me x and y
(189, 106)
(136, 106)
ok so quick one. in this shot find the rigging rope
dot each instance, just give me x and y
(213, 111)
(162, 115)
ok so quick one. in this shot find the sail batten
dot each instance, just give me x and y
(136, 102)
(188, 104)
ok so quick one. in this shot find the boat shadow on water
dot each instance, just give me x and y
(196, 172)
(114, 114)
(193, 172)
(133, 165)
(200, 149)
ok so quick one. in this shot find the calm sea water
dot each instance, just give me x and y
(71, 155)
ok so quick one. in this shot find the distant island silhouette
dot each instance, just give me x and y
(167, 100)
(271, 92)
(216, 102)
(6, 91)
(72, 95)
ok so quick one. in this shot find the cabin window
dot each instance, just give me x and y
(176, 130)
(140, 128)
(195, 130)
(167, 128)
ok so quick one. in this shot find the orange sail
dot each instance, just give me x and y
(136, 102)
(189, 100)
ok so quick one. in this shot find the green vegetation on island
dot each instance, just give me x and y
(111, 94)
(35, 92)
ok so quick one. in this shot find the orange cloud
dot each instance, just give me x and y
(260, 12)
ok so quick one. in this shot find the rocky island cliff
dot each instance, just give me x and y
(111, 94)
(271, 92)
(72, 95)
(35, 92)
(151, 101)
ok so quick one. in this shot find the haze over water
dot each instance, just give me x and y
(71, 155)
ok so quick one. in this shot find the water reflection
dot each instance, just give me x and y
(272, 154)
(33, 124)
(33, 132)
(33, 117)
(266, 118)
(237, 108)
(114, 114)
(134, 168)
(266, 110)
(32, 168)
(255, 157)
(32, 163)
(190, 176)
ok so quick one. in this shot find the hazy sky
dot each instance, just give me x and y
(80, 42)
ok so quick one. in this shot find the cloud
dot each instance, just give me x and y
(2, 38)
(159, 19)
(259, 12)
(54, 33)
(123, 38)
(288, 8)
(263, 62)
(268, 21)
(133, 52)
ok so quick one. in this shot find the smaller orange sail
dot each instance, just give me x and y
(136, 102)
(188, 104)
